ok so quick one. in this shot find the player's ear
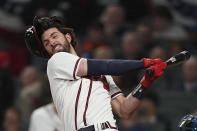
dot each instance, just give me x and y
(68, 37)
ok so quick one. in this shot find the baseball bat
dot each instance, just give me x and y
(174, 60)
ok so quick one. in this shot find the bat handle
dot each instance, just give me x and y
(149, 72)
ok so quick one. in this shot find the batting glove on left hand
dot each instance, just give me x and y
(150, 62)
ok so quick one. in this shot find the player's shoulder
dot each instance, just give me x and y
(59, 55)
(58, 58)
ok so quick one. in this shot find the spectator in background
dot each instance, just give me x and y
(78, 13)
(131, 47)
(176, 47)
(114, 25)
(187, 76)
(113, 18)
(144, 33)
(183, 10)
(82, 13)
(45, 118)
(135, 9)
(164, 27)
(12, 120)
(33, 8)
(28, 98)
(7, 89)
(191, 44)
(45, 95)
(5, 60)
(94, 39)
(190, 75)
(158, 52)
(102, 53)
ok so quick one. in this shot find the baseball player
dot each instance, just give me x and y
(83, 91)
(45, 118)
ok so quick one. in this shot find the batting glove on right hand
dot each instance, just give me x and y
(158, 71)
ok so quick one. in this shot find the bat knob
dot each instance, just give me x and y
(149, 72)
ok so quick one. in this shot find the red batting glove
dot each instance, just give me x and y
(150, 62)
(158, 71)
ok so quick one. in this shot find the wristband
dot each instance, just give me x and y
(138, 92)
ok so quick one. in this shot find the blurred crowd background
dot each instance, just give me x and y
(106, 29)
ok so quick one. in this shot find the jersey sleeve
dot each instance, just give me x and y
(63, 65)
(114, 91)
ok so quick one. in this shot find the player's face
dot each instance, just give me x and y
(54, 41)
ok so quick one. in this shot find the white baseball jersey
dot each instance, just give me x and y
(79, 101)
(45, 118)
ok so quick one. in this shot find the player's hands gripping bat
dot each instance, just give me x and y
(146, 81)
(175, 60)
(150, 62)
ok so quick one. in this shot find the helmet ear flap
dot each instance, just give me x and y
(33, 43)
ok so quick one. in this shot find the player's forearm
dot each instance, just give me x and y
(129, 105)
(132, 101)
(112, 67)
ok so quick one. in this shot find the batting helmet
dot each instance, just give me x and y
(188, 123)
(40, 25)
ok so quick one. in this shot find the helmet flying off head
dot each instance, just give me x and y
(188, 123)
(40, 25)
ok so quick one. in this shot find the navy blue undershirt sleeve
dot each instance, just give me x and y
(112, 67)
